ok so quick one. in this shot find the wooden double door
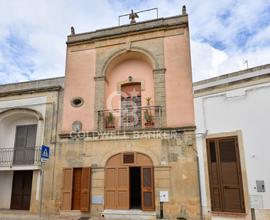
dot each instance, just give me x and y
(129, 186)
(125, 190)
(225, 175)
(76, 189)
(21, 190)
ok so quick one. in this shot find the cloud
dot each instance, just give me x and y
(223, 33)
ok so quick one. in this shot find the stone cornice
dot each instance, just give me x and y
(121, 133)
(125, 30)
(30, 91)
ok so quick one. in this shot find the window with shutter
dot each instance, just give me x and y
(128, 158)
(25, 141)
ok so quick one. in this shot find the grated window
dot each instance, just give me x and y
(128, 158)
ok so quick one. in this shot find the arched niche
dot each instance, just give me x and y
(17, 111)
(128, 68)
(121, 56)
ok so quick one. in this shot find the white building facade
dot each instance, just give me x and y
(233, 127)
(28, 119)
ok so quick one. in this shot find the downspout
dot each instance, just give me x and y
(200, 190)
(55, 141)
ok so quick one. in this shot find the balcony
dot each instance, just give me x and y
(19, 156)
(134, 118)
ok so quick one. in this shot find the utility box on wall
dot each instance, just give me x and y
(164, 196)
(260, 185)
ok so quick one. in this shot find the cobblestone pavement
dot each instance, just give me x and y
(33, 217)
(17, 216)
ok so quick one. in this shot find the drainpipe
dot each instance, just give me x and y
(200, 190)
(55, 141)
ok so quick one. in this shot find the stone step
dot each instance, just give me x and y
(128, 214)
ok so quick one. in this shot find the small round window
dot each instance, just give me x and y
(77, 102)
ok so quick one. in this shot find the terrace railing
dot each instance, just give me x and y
(19, 156)
(130, 118)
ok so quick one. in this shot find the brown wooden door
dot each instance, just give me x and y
(67, 189)
(147, 188)
(117, 188)
(25, 141)
(110, 188)
(85, 189)
(225, 175)
(76, 189)
(123, 188)
(21, 190)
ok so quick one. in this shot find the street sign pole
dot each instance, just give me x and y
(41, 188)
(44, 157)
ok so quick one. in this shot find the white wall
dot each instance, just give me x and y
(246, 109)
(8, 128)
(7, 138)
(5, 189)
(37, 103)
(8, 124)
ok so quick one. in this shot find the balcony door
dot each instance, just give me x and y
(131, 115)
(25, 141)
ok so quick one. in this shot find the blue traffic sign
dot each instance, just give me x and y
(45, 153)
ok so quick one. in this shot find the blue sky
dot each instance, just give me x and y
(223, 33)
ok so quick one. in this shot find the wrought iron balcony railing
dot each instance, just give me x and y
(19, 156)
(130, 118)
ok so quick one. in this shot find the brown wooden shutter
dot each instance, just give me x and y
(19, 147)
(25, 142)
(123, 188)
(110, 188)
(85, 189)
(147, 183)
(225, 175)
(67, 189)
(231, 181)
(31, 136)
(30, 144)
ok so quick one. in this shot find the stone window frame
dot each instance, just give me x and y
(121, 83)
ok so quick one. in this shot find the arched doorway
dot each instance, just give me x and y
(129, 182)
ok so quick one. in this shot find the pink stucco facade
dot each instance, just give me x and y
(179, 95)
(140, 57)
(79, 82)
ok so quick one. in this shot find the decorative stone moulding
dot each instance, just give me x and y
(77, 102)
